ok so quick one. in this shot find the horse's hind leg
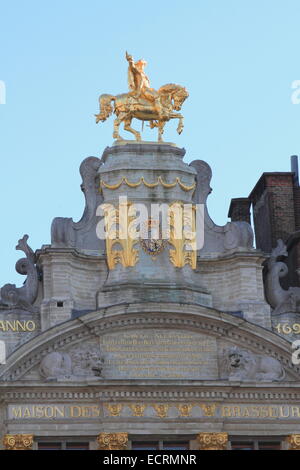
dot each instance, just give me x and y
(117, 123)
(161, 125)
(128, 128)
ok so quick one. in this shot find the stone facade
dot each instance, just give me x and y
(137, 341)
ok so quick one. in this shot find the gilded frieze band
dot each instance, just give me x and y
(159, 181)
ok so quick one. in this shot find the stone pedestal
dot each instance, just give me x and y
(148, 175)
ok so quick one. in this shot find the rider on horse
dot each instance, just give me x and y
(139, 83)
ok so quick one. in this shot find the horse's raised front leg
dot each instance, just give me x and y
(180, 125)
(127, 127)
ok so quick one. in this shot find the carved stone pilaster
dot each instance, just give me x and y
(212, 440)
(294, 441)
(114, 441)
(18, 441)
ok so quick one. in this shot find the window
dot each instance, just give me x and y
(145, 446)
(256, 445)
(63, 445)
(160, 445)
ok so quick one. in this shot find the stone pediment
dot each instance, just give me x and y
(153, 342)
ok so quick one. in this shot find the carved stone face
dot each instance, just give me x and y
(235, 359)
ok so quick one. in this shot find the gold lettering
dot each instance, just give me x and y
(281, 412)
(295, 411)
(255, 410)
(271, 410)
(17, 412)
(264, 412)
(236, 411)
(26, 413)
(10, 326)
(226, 411)
(95, 411)
(49, 412)
(32, 326)
(39, 412)
(78, 412)
(19, 325)
(59, 411)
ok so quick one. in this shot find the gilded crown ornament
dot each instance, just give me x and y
(143, 102)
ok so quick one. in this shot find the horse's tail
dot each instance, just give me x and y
(106, 108)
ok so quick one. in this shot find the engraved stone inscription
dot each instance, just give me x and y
(159, 353)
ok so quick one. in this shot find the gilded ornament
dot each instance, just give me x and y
(208, 410)
(152, 246)
(113, 441)
(143, 103)
(138, 409)
(18, 441)
(213, 440)
(142, 180)
(294, 441)
(161, 410)
(114, 408)
(182, 223)
(117, 222)
(185, 410)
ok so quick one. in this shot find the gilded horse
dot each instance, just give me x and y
(127, 106)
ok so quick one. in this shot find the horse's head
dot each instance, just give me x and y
(179, 96)
(174, 95)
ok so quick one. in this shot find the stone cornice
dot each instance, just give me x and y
(143, 148)
(125, 391)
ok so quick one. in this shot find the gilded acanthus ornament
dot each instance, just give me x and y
(182, 223)
(117, 223)
(212, 440)
(18, 441)
(114, 409)
(161, 410)
(208, 410)
(143, 103)
(185, 410)
(113, 441)
(138, 409)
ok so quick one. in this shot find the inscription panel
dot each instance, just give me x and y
(159, 353)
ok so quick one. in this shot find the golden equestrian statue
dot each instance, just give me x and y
(143, 102)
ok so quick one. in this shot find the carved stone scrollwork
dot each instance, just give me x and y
(281, 300)
(67, 233)
(114, 441)
(294, 441)
(18, 441)
(23, 297)
(212, 440)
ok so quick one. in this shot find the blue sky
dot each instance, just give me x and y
(237, 58)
